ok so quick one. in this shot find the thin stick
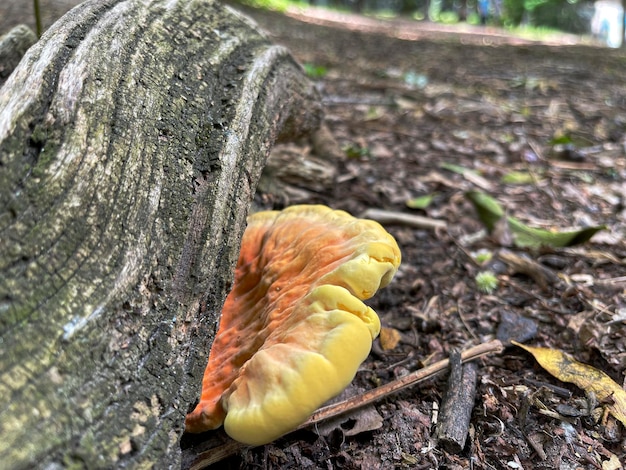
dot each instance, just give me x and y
(214, 455)
(401, 218)
(37, 17)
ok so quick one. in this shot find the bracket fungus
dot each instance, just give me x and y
(294, 329)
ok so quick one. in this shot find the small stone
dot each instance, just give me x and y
(515, 327)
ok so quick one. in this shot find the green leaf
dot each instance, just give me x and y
(461, 170)
(315, 71)
(482, 256)
(421, 202)
(490, 212)
(562, 140)
(518, 177)
(526, 236)
(488, 209)
(356, 151)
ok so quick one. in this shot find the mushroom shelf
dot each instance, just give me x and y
(293, 329)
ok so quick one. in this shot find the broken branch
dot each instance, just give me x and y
(456, 412)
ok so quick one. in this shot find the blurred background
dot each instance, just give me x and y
(598, 22)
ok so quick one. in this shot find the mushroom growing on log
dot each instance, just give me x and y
(294, 329)
(132, 136)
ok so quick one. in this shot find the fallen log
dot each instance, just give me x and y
(132, 137)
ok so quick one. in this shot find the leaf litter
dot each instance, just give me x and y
(421, 123)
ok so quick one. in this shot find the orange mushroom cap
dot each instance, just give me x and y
(294, 329)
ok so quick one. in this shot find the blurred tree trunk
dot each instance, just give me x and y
(358, 6)
(623, 24)
(406, 7)
(132, 137)
(463, 10)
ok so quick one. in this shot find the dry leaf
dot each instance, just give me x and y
(351, 424)
(389, 338)
(565, 368)
(367, 419)
(612, 464)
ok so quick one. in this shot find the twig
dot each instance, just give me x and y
(465, 324)
(342, 101)
(214, 455)
(456, 411)
(560, 391)
(544, 303)
(219, 453)
(391, 217)
(563, 165)
(611, 281)
(37, 17)
(542, 276)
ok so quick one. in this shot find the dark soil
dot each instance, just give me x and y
(490, 103)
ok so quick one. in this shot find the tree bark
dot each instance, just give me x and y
(13, 46)
(132, 136)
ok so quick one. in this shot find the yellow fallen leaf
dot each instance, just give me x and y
(389, 338)
(567, 369)
(612, 464)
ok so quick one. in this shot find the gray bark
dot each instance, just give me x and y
(13, 46)
(132, 136)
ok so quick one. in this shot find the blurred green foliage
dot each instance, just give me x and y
(566, 15)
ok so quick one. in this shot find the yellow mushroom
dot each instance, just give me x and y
(294, 329)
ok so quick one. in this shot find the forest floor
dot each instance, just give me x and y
(424, 116)
(432, 114)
